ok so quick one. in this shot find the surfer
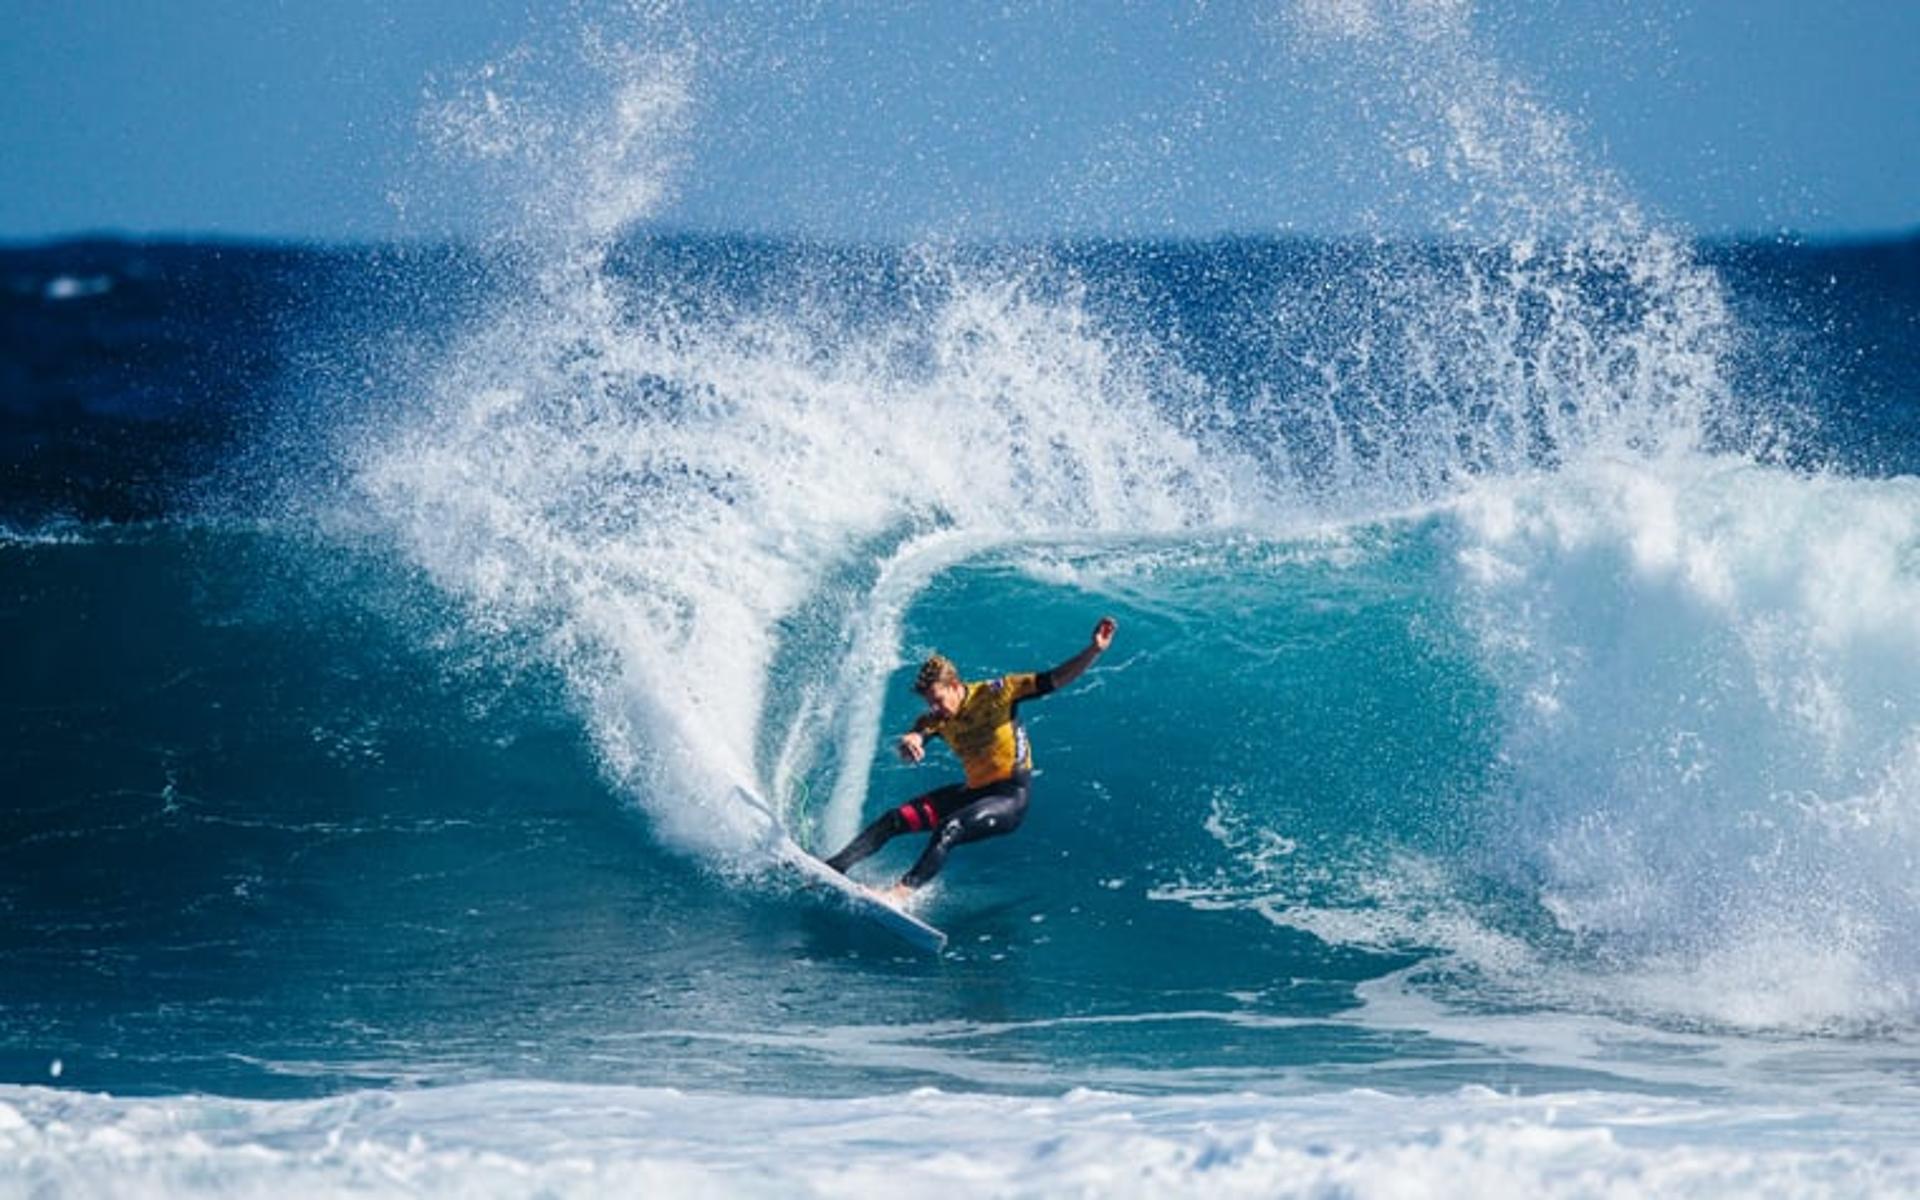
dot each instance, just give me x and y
(980, 723)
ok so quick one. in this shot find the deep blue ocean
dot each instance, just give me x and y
(1505, 780)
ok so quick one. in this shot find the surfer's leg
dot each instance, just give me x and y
(915, 816)
(992, 811)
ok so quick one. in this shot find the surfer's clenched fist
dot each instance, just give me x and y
(1103, 633)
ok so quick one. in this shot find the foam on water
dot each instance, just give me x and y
(656, 492)
(512, 1139)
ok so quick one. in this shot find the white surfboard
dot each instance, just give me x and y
(844, 892)
(856, 899)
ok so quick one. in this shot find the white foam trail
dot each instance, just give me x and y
(650, 495)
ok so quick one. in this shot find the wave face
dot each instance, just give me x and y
(1665, 766)
(1380, 801)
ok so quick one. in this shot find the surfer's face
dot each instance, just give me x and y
(945, 696)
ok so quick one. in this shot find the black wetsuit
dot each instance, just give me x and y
(956, 814)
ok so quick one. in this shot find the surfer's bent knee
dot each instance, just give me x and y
(915, 816)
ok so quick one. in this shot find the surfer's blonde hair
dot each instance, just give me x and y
(937, 669)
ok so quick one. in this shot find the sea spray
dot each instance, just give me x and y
(651, 486)
(1552, 318)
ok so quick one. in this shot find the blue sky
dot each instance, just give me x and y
(891, 118)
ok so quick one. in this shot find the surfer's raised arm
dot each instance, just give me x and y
(1072, 669)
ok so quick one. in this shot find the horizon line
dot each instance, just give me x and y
(642, 230)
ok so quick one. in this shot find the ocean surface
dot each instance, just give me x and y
(1505, 780)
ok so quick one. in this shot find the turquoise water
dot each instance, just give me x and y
(1303, 849)
(294, 828)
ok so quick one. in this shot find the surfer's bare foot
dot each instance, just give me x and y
(896, 895)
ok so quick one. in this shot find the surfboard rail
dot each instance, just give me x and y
(857, 899)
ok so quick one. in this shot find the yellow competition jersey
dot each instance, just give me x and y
(985, 732)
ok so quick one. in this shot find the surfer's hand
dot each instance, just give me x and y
(912, 748)
(1103, 633)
